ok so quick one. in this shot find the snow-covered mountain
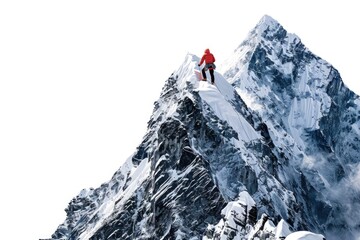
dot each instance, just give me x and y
(271, 149)
(312, 118)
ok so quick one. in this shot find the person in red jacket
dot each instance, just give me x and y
(209, 59)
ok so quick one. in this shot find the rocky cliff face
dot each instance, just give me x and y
(264, 152)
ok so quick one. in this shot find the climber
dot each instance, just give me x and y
(209, 59)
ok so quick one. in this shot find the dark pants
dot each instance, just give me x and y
(211, 74)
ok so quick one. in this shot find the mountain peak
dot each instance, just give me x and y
(268, 21)
(269, 37)
(307, 107)
(268, 28)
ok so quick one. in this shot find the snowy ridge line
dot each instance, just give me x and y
(208, 93)
(219, 102)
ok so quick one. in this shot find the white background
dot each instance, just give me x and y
(78, 80)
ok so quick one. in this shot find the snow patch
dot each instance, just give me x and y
(282, 230)
(249, 100)
(304, 235)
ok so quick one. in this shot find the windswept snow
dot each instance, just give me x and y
(218, 96)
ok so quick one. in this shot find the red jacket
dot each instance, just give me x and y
(207, 57)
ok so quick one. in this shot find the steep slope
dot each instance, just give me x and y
(202, 149)
(311, 116)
